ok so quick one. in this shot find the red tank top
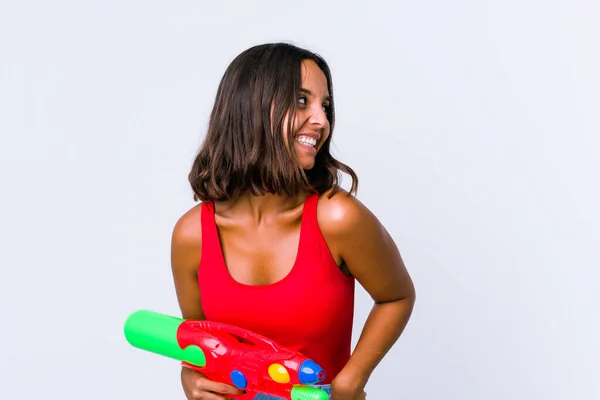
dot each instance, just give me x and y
(310, 310)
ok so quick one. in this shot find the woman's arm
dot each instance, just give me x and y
(357, 239)
(186, 248)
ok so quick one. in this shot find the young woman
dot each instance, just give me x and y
(275, 246)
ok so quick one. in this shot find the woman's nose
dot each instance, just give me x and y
(318, 116)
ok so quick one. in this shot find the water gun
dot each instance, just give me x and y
(228, 354)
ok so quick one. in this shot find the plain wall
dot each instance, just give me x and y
(473, 126)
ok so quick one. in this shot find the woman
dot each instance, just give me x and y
(275, 246)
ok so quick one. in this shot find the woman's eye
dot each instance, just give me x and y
(326, 107)
(302, 100)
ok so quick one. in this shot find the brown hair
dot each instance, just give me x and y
(244, 149)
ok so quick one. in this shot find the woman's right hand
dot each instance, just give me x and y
(197, 386)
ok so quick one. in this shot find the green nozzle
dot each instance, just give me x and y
(308, 393)
(157, 333)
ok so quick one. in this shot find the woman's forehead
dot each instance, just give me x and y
(314, 79)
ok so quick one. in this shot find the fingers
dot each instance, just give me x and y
(198, 387)
(199, 395)
(205, 389)
(204, 384)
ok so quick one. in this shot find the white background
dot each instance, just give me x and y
(473, 126)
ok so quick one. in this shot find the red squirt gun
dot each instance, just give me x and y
(228, 354)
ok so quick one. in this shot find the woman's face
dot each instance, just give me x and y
(311, 126)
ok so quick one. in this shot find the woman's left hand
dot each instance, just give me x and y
(347, 395)
(360, 396)
(344, 389)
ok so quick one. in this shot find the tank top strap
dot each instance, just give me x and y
(310, 225)
(314, 240)
(210, 235)
(310, 208)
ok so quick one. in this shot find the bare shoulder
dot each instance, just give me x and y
(340, 213)
(188, 229)
(186, 239)
(343, 221)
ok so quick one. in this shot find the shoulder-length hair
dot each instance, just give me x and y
(244, 149)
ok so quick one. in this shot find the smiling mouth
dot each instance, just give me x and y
(307, 141)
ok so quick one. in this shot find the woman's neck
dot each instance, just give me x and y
(260, 209)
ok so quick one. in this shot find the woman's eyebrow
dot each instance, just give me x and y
(308, 92)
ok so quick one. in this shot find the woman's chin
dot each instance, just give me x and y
(307, 163)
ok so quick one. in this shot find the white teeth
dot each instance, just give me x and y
(307, 141)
